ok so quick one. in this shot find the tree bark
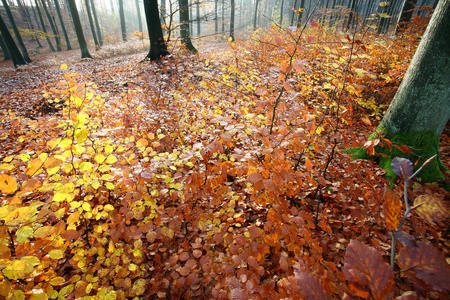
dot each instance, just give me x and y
(122, 21)
(184, 27)
(233, 7)
(420, 109)
(138, 12)
(97, 25)
(16, 56)
(52, 25)
(91, 23)
(43, 26)
(78, 29)
(158, 47)
(63, 27)
(16, 32)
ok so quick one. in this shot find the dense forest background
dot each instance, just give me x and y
(222, 170)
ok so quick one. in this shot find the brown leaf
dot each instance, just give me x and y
(392, 210)
(432, 209)
(366, 270)
(427, 266)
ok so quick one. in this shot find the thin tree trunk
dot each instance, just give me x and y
(29, 21)
(63, 27)
(43, 26)
(216, 17)
(52, 25)
(233, 6)
(255, 18)
(97, 25)
(16, 32)
(122, 21)
(198, 17)
(138, 12)
(281, 12)
(91, 23)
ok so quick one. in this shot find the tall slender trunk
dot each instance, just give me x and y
(97, 25)
(91, 22)
(197, 13)
(255, 18)
(281, 12)
(184, 27)
(41, 19)
(27, 16)
(233, 6)
(52, 25)
(63, 27)
(122, 21)
(216, 17)
(138, 12)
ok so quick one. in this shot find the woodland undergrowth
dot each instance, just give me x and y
(217, 176)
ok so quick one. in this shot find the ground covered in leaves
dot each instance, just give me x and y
(212, 176)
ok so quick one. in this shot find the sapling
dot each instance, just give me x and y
(404, 167)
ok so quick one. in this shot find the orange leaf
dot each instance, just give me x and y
(392, 210)
(431, 208)
(7, 184)
(308, 165)
(286, 86)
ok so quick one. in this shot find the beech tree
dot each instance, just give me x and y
(79, 31)
(13, 51)
(420, 109)
(184, 26)
(158, 47)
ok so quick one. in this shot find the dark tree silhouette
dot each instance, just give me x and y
(63, 27)
(158, 46)
(16, 31)
(79, 31)
(16, 56)
(184, 27)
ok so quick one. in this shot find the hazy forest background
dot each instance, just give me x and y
(224, 169)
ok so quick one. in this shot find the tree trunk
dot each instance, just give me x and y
(300, 15)
(122, 21)
(4, 48)
(138, 12)
(158, 47)
(27, 16)
(184, 27)
(52, 25)
(78, 29)
(281, 12)
(256, 14)
(16, 32)
(63, 27)
(43, 26)
(97, 25)
(198, 17)
(216, 17)
(16, 56)
(91, 23)
(233, 6)
(420, 109)
(407, 12)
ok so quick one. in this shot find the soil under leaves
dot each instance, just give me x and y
(124, 178)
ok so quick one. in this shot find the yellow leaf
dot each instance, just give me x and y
(108, 208)
(86, 166)
(104, 168)
(109, 186)
(99, 158)
(6, 167)
(89, 96)
(65, 143)
(57, 280)
(86, 206)
(75, 217)
(81, 135)
(18, 269)
(24, 156)
(109, 149)
(56, 254)
(44, 231)
(95, 184)
(64, 67)
(7, 184)
(111, 159)
(58, 197)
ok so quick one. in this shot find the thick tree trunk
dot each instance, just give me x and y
(16, 56)
(16, 32)
(158, 47)
(184, 27)
(79, 31)
(4, 48)
(420, 109)
(122, 21)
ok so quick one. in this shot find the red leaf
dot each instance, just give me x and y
(313, 23)
(366, 270)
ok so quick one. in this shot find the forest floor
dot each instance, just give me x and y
(126, 178)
